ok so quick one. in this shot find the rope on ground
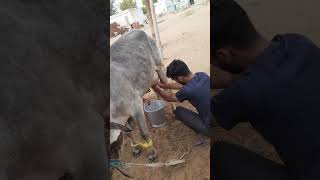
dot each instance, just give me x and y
(184, 154)
(123, 173)
(168, 163)
(115, 163)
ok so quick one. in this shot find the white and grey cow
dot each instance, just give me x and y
(135, 65)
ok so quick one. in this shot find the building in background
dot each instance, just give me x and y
(165, 6)
(127, 17)
(161, 7)
(139, 3)
(135, 15)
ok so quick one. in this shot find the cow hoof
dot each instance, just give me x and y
(153, 157)
(136, 153)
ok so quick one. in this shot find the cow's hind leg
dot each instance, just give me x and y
(136, 151)
(139, 117)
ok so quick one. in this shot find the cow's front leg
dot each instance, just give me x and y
(139, 117)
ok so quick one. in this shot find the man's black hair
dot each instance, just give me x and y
(231, 25)
(177, 68)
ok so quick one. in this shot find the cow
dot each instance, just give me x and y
(53, 90)
(135, 66)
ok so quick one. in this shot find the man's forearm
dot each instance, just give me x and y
(168, 96)
(176, 86)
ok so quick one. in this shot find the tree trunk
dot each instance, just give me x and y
(149, 16)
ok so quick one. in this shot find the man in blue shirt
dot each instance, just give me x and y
(194, 88)
(273, 85)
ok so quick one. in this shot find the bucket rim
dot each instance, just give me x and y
(157, 100)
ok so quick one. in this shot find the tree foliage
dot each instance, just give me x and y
(127, 4)
(144, 10)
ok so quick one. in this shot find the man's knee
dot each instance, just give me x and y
(178, 112)
(178, 109)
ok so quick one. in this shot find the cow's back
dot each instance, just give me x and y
(133, 59)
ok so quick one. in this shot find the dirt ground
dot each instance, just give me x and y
(171, 142)
(184, 35)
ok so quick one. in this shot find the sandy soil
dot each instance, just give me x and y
(186, 36)
(171, 142)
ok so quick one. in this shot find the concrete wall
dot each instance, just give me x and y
(183, 4)
(285, 16)
(160, 7)
(127, 17)
(139, 3)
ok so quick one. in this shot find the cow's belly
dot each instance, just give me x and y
(136, 77)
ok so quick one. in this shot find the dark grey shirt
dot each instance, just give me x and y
(197, 92)
(280, 97)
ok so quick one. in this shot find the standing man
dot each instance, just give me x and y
(273, 85)
(194, 88)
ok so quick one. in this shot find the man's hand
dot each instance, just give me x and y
(162, 85)
(156, 88)
(168, 96)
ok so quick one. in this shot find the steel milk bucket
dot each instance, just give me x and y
(154, 111)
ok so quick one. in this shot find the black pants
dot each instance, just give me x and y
(232, 162)
(192, 120)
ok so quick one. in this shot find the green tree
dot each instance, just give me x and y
(127, 4)
(144, 10)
